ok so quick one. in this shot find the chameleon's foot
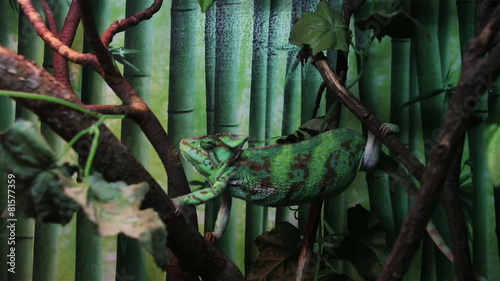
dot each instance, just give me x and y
(389, 128)
(177, 206)
(211, 237)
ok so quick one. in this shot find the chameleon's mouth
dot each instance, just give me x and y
(193, 166)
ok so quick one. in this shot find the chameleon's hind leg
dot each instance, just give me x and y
(373, 144)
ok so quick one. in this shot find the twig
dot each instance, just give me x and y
(52, 40)
(134, 20)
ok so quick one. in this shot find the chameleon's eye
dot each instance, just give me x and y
(207, 145)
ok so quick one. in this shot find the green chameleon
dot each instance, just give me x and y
(278, 175)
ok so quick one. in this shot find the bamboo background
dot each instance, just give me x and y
(232, 70)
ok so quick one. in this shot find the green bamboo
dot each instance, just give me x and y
(400, 93)
(257, 127)
(291, 99)
(378, 183)
(446, 20)
(7, 17)
(430, 80)
(88, 250)
(47, 234)
(416, 147)
(130, 260)
(211, 208)
(226, 98)
(482, 186)
(88, 264)
(29, 45)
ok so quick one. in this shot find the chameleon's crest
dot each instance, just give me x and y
(208, 154)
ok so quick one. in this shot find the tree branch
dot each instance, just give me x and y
(115, 162)
(52, 40)
(134, 20)
(478, 74)
(365, 116)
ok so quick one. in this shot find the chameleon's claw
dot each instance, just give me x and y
(389, 128)
(211, 237)
(177, 205)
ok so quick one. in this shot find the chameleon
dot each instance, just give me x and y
(280, 175)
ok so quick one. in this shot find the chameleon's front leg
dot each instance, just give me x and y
(222, 219)
(200, 196)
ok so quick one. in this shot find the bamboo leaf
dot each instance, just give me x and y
(321, 30)
(205, 4)
(395, 24)
(424, 97)
(115, 208)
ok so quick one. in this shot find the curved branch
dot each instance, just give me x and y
(134, 20)
(139, 110)
(115, 162)
(52, 40)
(49, 16)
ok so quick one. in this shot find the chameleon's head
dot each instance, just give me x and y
(209, 154)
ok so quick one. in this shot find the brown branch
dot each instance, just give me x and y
(139, 110)
(134, 20)
(450, 198)
(52, 40)
(364, 115)
(114, 161)
(478, 74)
(109, 109)
(67, 35)
(49, 16)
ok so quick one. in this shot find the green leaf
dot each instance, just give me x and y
(49, 203)
(115, 208)
(321, 30)
(365, 245)
(24, 152)
(205, 4)
(395, 24)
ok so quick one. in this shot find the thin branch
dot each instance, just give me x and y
(109, 109)
(364, 115)
(52, 40)
(478, 74)
(139, 110)
(134, 20)
(49, 16)
(450, 198)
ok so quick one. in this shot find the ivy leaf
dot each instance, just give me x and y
(321, 30)
(115, 208)
(24, 151)
(278, 254)
(205, 4)
(396, 24)
(365, 245)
